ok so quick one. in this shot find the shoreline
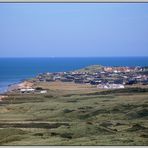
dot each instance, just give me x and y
(6, 88)
(13, 86)
(20, 85)
(26, 83)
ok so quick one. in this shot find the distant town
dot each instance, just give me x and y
(102, 77)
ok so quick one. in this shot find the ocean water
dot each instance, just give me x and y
(14, 70)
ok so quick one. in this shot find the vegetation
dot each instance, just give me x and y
(75, 117)
(91, 69)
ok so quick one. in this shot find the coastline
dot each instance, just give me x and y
(93, 74)
(20, 85)
(15, 70)
(14, 86)
(70, 98)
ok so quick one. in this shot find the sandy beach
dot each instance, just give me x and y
(21, 85)
(25, 84)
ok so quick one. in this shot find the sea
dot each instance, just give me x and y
(15, 70)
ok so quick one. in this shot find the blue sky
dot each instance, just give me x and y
(73, 29)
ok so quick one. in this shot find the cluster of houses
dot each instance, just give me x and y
(110, 86)
(106, 78)
(26, 87)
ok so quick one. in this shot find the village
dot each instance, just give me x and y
(104, 78)
(101, 78)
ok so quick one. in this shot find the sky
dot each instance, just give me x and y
(73, 29)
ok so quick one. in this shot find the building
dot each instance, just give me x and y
(110, 86)
(43, 91)
(27, 90)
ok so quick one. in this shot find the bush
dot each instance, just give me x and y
(39, 88)
(67, 110)
(66, 135)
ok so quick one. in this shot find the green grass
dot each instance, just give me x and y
(115, 117)
(91, 69)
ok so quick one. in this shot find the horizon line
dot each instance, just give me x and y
(84, 57)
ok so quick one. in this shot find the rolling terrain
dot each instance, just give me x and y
(68, 115)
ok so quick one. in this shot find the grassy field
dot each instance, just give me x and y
(74, 114)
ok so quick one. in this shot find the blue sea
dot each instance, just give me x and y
(14, 70)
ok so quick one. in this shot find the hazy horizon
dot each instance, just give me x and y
(85, 57)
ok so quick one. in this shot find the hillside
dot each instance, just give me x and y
(72, 116)
(91, 69)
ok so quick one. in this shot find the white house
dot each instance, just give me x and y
(43, 91)
(27, 90)
(110, 86)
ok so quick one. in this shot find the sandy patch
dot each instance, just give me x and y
(58, 85)
(25, 84)
(2, 97)
(22, 85)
